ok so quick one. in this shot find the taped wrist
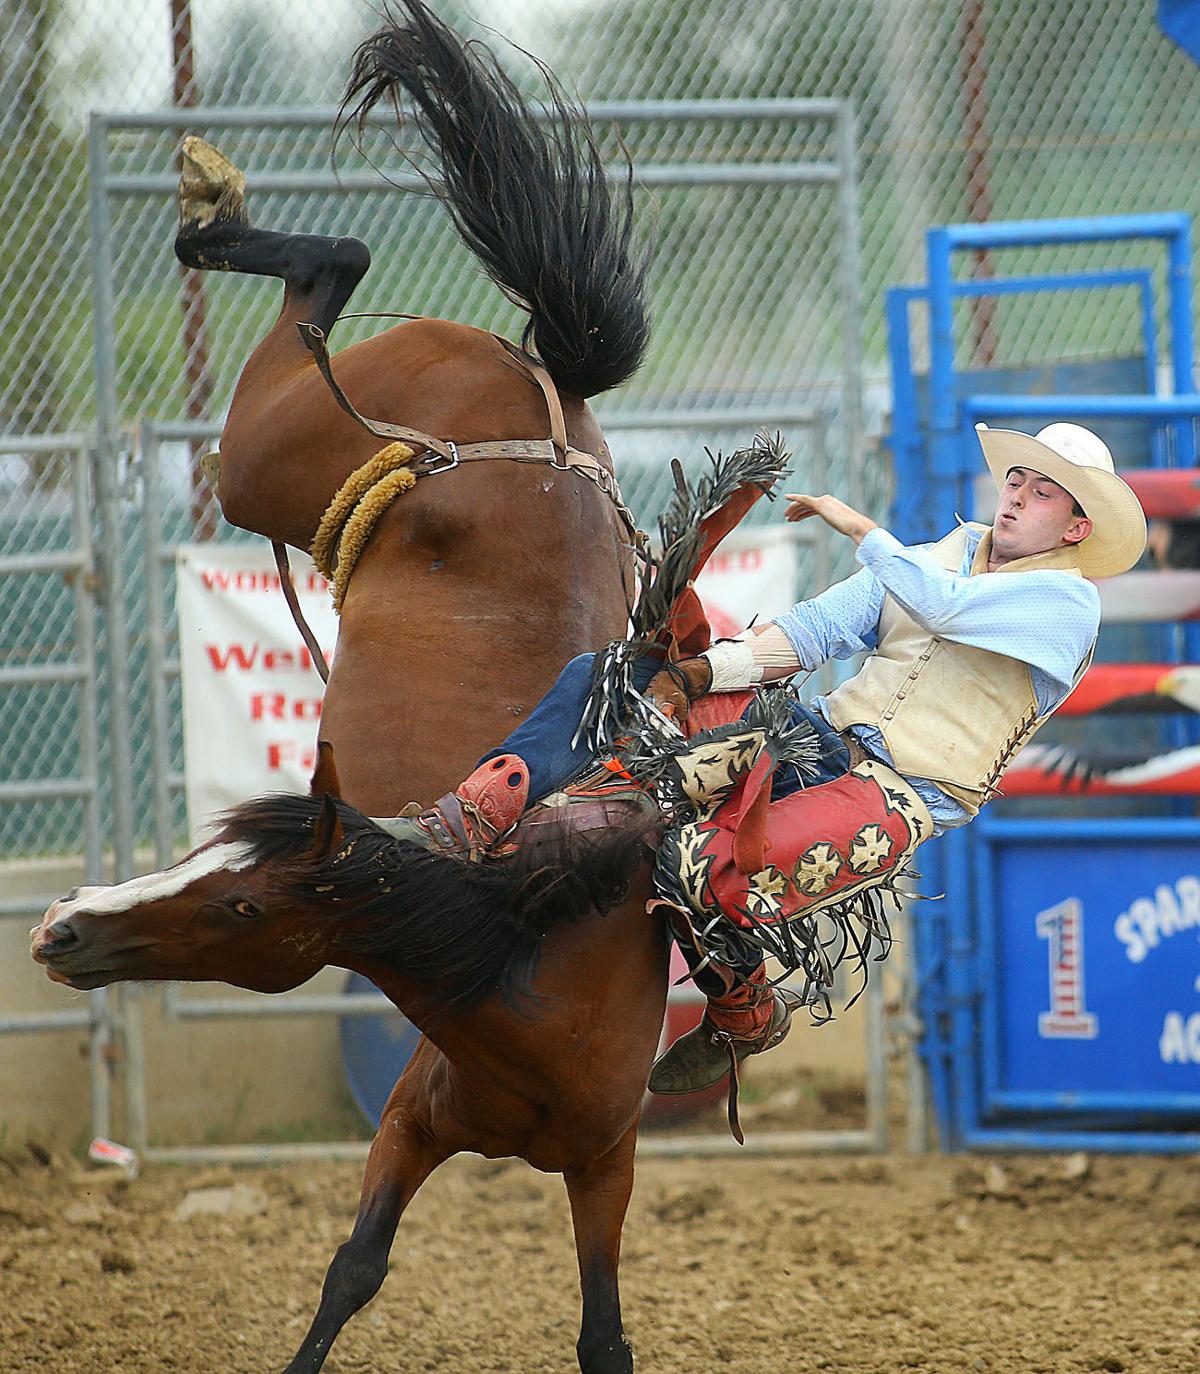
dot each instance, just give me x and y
(739, 663)
(733, 666)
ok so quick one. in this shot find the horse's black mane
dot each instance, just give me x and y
(529, 195)
(473, 929)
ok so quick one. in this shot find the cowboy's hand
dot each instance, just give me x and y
(836, 514)
(675, 688)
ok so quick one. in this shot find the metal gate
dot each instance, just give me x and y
(49, 672)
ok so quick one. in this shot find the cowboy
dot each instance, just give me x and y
(971, 643)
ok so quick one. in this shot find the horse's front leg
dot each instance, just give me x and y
(599, 1197)
(402, 1157)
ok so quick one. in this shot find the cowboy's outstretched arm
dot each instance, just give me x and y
(1045, 619)
(836, 514)
(839, 623)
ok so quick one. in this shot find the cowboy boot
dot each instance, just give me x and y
(751, 1018)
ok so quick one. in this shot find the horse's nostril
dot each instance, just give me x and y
(62, 935)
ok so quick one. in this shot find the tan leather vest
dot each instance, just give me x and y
(948, 712)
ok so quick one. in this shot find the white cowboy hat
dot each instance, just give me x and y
(1080, 462)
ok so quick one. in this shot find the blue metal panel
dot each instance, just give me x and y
(948, 489)
(928, 921)
(1179, 292)
(1089, 968)
(1007, 1104)
(1183, 406)
(905, 438)
(1141, 277)
(1173, 228)
(912, 518)
(963, 988)
(1036, 233)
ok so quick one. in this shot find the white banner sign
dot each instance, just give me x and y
(252, 700)
(251, 697)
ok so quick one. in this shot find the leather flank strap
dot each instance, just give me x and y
(313, 338)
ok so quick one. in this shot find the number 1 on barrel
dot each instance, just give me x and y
(1062, 926)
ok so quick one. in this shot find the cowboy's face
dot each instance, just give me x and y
(1034, 515)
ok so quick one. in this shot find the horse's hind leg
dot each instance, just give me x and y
(599, 1198)
(402, 1157)
(215, 234)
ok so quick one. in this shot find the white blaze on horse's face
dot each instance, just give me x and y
(152, 887)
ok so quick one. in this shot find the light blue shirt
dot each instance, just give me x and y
(1045, 618)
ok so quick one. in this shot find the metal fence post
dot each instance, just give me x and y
(111, 551)
(76, 564)
(851, 293)
(108, 496)
(150, 454)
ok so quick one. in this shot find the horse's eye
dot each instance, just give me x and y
(244, 907)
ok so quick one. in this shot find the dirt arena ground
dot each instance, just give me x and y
(750, 1266)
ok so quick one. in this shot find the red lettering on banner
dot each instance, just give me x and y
(281, 752)
(735, 560)
(237, 656)
(251, 580)
(278, 706)
(239, 580)
(268, 706)
(249, 656)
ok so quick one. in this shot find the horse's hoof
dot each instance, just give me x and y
(211, 188)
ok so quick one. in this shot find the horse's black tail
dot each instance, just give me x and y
(527, 193)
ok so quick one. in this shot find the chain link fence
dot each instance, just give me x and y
(965, 108)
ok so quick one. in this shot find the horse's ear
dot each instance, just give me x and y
(325, 779)
(327, 833)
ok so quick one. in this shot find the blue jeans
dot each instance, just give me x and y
(543, 738)
(832, 762)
